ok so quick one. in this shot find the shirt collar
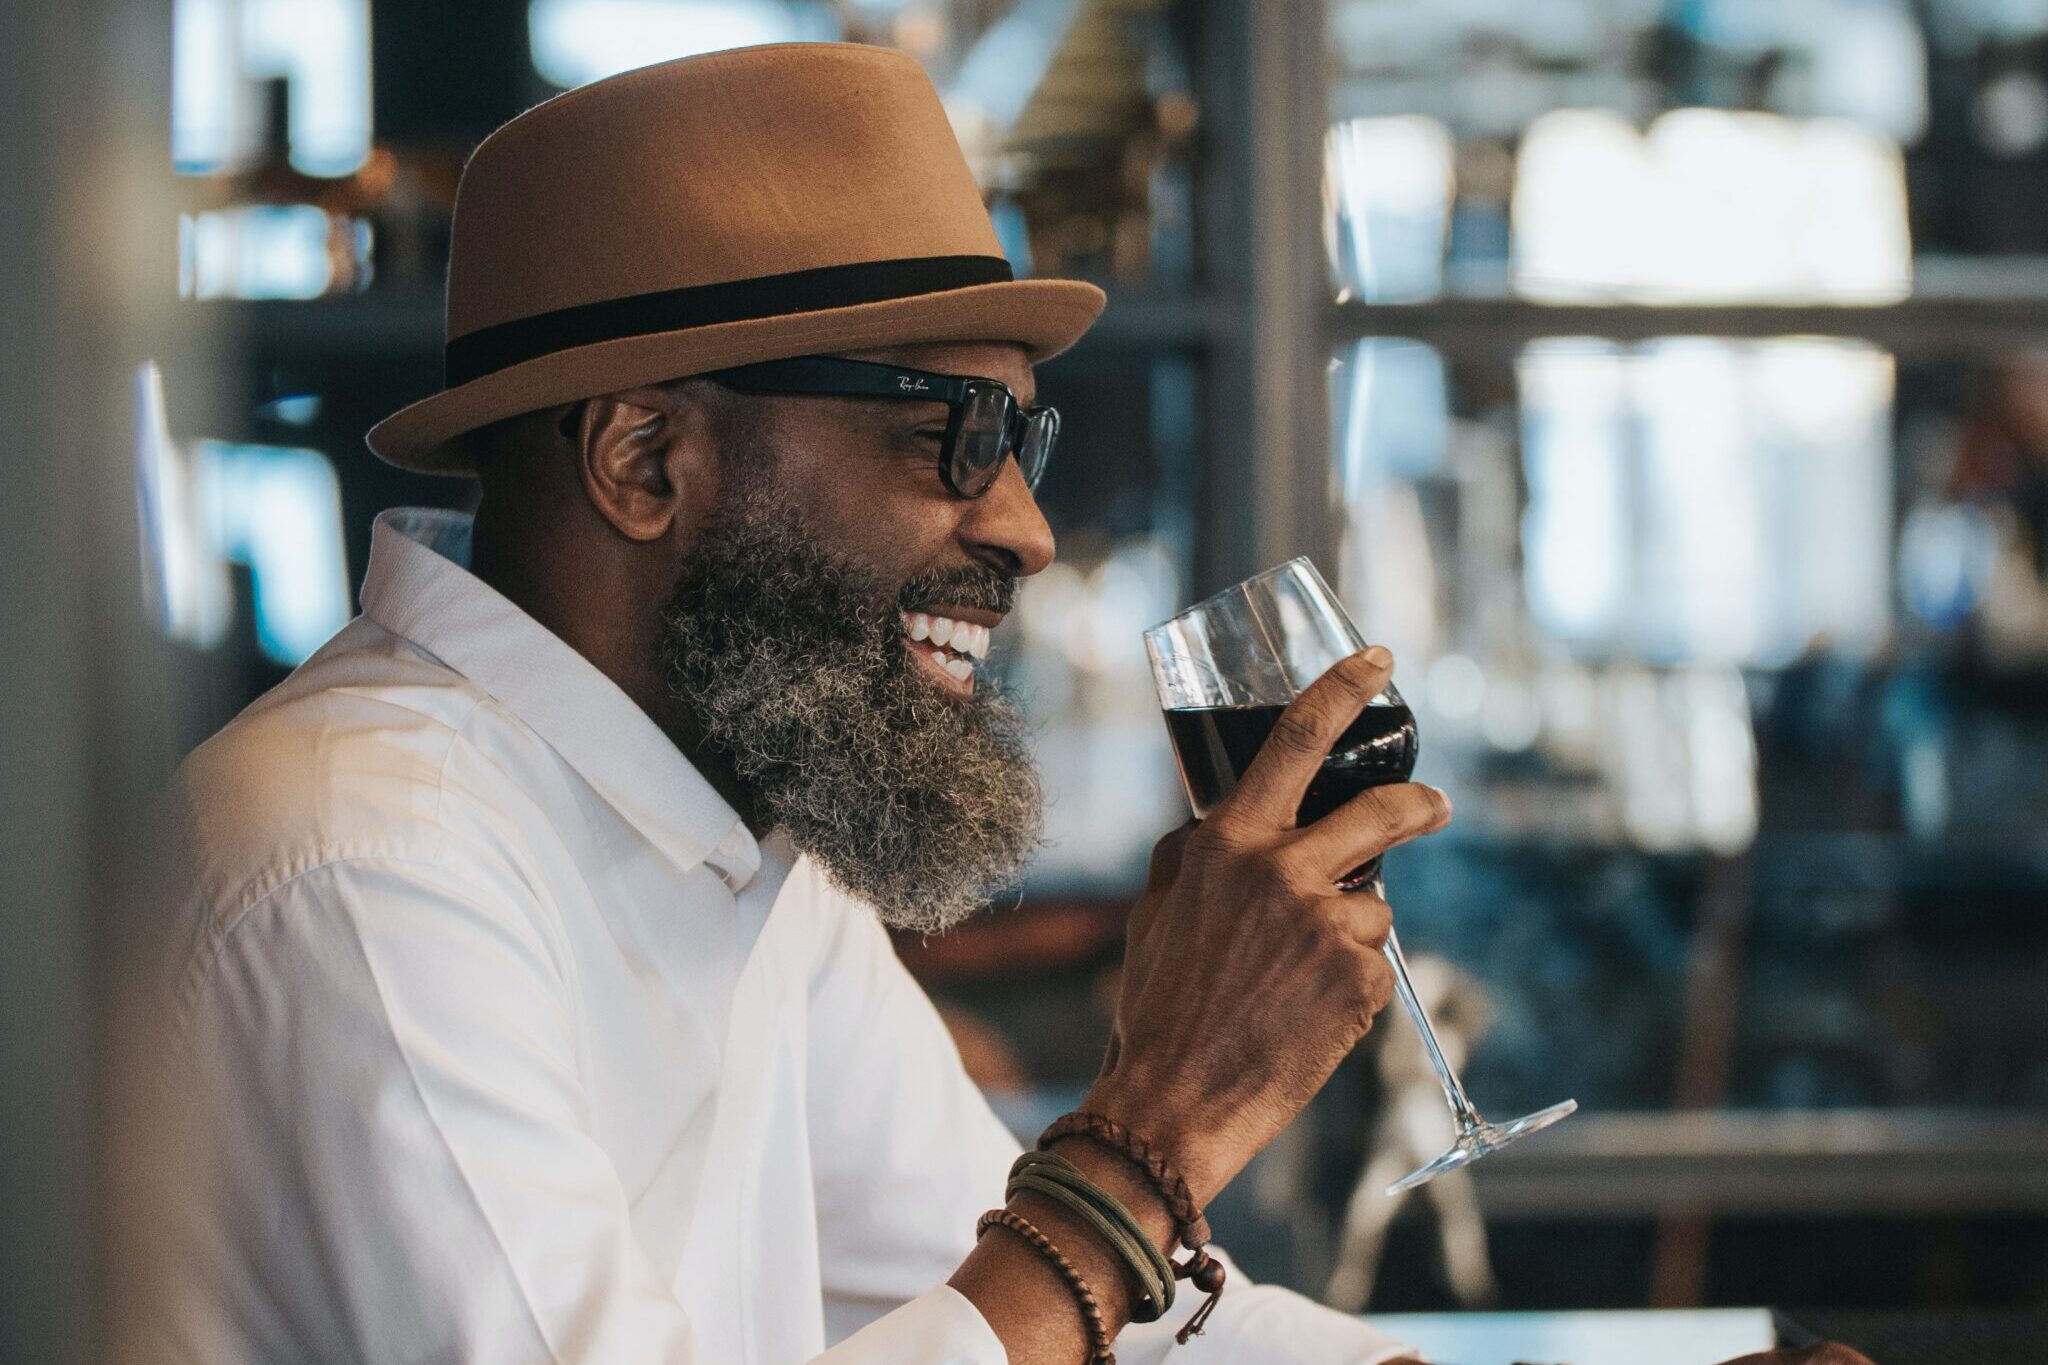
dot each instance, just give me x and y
(418, 586)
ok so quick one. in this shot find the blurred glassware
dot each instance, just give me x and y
(265, 229)
(224, 56)
(274, 510)
(1388, 184)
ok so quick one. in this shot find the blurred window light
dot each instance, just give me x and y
(2012, 114)
(1709, 206)
(274, 509)
(1859, 59)
(1576, 548)
(277, 509)
(1701, 553)
(1703, 500)
(1582, 213)
(185, 584)
(1387, 191)
(1392, 412)
(1963, 24)
(1387, 572)
(575, 42)
(1947, 554)
(221, 52)
(271, 251)
(1003, 70)
(1824, 425)
(1078, 665)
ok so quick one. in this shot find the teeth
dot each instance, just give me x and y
(962, 637)
(960, 669)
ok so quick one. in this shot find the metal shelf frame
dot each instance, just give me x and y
(1802, 1164)
(1921, 327)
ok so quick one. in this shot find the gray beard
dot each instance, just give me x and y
(793, 665)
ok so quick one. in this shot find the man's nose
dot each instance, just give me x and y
(1005, 525)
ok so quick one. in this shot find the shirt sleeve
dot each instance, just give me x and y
(391, 1157)
(908, 1154)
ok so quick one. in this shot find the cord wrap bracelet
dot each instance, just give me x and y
(1099, 1352)
(1201, 1269)
(1053, 1177)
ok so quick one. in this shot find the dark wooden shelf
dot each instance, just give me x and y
(399, 322)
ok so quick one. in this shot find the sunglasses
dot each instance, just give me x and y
(986, 423)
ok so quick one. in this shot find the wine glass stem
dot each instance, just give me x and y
(1454, 1090)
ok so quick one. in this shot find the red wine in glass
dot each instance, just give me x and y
(1224, 670)
(1214, 745)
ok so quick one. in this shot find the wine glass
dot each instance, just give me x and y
(1225, 669)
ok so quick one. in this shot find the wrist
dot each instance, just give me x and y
(1153, 1114)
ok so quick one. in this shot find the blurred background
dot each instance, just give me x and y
(1666, 381)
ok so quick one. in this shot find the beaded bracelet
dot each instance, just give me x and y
(1084, 1297)
(1200, 1268)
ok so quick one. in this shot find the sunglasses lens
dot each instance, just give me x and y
(1039, 434)
(978, 449)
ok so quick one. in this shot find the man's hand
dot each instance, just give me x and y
(1248, 974)
(1247, 978)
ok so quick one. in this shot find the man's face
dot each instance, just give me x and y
(802, 636)
(864, 475)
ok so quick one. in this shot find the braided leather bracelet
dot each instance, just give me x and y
(1202, 1269)
(1084, 1297)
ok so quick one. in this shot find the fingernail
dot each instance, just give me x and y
(1379, 656)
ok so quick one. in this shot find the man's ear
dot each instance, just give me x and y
(647, 460)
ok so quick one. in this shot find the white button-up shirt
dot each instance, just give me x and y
(499, 1038)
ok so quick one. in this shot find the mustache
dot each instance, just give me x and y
(983, 589)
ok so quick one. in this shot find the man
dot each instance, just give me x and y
(533, 1000)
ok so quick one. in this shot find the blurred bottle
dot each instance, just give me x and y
(269, 230)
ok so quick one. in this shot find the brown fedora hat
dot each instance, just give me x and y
(747, 205)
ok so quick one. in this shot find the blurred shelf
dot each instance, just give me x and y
(405, 322)
(1878, 1163)
(1884, 851)
(1149, 317)
(399, 323)
(1959, 308)
(1500, 328)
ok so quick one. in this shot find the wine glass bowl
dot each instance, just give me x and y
(1225, 669)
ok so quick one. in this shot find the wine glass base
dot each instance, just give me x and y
(1483, 1140)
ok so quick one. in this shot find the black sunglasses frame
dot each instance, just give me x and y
(1024, 432)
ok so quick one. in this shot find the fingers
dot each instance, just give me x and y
(1363, 923)
(1369, 824)
(1166, 855)
(1166, 858)
(1273, 786)
(1365, 919)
